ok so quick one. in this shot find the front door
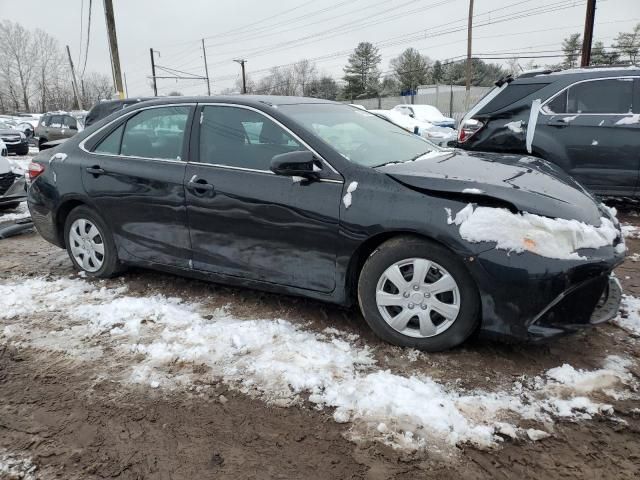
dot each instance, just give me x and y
(135, 176)
(248, 222)
(601, 149)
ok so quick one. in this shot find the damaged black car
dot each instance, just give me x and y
(318, 199)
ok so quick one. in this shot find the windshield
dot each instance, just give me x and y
(359, 136)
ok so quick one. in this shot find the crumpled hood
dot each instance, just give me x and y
(530, 184)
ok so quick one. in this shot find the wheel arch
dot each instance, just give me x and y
(62, 213)
(366, 248)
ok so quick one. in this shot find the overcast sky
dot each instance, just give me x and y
(270, 32)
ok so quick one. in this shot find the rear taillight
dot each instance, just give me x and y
(34, 171)
(468, 129)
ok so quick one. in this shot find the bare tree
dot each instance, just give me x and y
(18, 46)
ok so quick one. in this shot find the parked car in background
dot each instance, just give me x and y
(15, 141)
(426, 113)
(12, 181)
(319, 199)
(587, 121)
(57, 126)
(438, 135)
(106, 107)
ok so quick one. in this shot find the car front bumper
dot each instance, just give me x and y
(15, 147)
(529, 297)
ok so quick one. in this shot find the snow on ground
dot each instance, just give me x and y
(13, 466)
(629, 317)
(517, 232)
(157, 341)
(630, 231)
(12, 215)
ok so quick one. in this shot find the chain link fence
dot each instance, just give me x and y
(451, 100)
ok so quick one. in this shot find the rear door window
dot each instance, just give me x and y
(56, 121)
(111, 144)
(69, 122)
(156, 133)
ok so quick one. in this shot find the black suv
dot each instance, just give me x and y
(587, 121)
(106, 107)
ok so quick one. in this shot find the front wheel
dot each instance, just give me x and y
(415, 293)
(90, 244)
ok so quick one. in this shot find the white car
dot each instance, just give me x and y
(3, 149)
(438, 135)
(426, 113)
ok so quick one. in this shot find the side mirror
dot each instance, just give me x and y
(295, 164)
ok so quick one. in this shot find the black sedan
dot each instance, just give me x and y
(16, 141)
(323, 200)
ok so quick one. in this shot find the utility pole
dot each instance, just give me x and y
(588, 33)
(153, 73)
(74, 82)
(242, 61)
(206, 69)
(469, 35)
(113, 47)
(126, 89)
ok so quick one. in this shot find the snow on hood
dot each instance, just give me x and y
(517, 232)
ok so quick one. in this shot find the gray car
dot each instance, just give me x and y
(57, 126)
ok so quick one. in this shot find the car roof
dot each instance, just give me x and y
(251, 100)
(574, 74)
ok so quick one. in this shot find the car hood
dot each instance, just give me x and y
(528, 183)
(7, 131)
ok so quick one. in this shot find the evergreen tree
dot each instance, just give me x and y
(600, 57)
(361, 73)
(437, 72)
(411, 69)
(571, 47)
(628, 44)
(324, 87)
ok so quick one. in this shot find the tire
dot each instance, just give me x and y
(9, 206)
(23, 151)
(103, 264)
(41, 140)
(425, 328)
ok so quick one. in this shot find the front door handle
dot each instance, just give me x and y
(96, 170)
(199, 185)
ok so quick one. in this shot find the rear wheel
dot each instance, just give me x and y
(90, 244)
(23, 151)
(415, 293)
(41, 140)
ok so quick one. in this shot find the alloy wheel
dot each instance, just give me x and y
(418, 297)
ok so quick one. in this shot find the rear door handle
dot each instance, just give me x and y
(96, 170)
(199, 185)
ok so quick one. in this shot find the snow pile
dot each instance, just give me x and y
(629, 316)
(348, 196)
(14, 466)
(517, 232)
(156, 341)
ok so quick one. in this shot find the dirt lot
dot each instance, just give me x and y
(69, 416)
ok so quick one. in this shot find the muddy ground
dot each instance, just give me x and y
(74, 421)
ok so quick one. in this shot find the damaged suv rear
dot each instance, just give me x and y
(586, 121)
(12, 182)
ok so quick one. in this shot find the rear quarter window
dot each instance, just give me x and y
(512, 94)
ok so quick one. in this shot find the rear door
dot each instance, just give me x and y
(135, 177)
(244, 220)
(583, 128)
